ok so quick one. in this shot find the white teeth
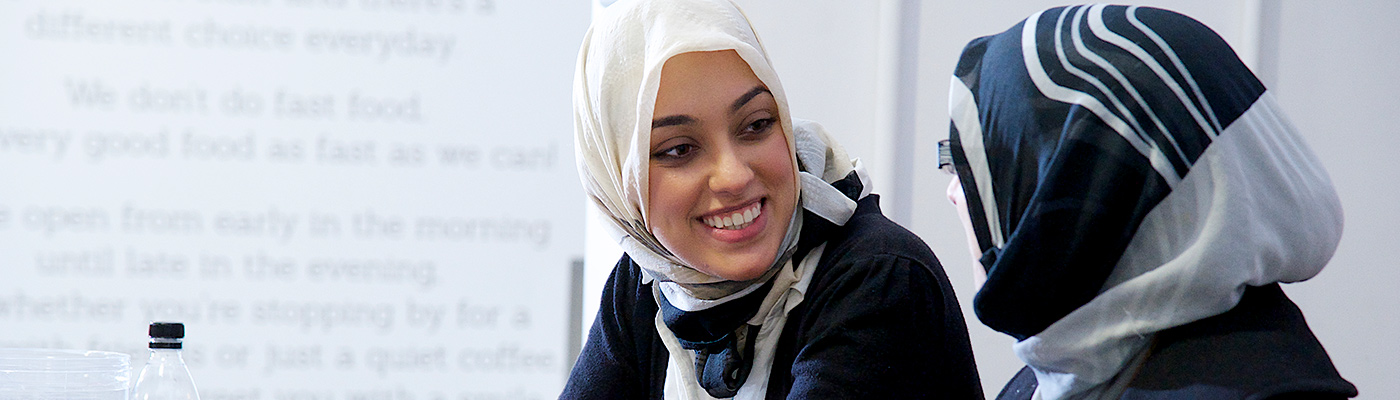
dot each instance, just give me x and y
(738, 220)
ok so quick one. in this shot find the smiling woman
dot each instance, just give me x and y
(758, 264)
(722, 184)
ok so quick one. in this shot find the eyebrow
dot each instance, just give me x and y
(742, 100)
(672, 120)
(686, 119)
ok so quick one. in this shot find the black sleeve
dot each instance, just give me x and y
(617, 360)
(887, 328)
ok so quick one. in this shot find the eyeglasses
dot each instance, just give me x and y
(945, 157)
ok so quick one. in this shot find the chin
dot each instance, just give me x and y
(743, 270)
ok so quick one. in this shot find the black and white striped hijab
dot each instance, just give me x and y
(1125, 173)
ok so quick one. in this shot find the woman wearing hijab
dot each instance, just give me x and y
(757, 262)
(1135, 198)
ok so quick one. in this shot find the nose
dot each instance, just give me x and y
(955, 192)
(732, 173)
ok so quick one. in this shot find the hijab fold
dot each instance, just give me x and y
(1125, 174)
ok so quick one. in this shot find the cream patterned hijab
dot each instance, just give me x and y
(615, 86)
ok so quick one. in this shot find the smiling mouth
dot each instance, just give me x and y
(738, 220)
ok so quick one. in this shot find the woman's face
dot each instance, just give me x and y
(959, 200)
(722, 183)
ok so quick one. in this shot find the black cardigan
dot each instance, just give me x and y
(1261, 349)
(879, 321)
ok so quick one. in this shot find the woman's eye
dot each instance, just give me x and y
(674, 152)
(759, 126)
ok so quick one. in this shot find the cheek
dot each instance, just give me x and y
(954, 192)
(667, 199)
(956, 196)
(781, 179)
(776, 167)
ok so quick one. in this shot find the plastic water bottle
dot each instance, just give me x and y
(165, 376)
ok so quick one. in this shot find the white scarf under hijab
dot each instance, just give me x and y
(615, 87)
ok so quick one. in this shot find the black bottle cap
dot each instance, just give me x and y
(168, 330)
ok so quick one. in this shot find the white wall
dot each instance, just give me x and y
(354, 299)
(1337, 79)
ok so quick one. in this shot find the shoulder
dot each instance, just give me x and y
(1259, 349)
(873, 266)
(623, 358)
(628, 294)
(878, 315)
(626, 273)
(871, 256)
(870, 251)
(625, 314)
(869, 235)
(1021, 387)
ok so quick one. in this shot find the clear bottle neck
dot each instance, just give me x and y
(165, 343)
(166, 356)
(165, 377)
